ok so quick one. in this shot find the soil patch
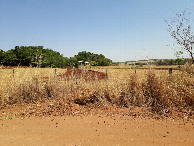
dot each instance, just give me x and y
(95, 130)
(86, 75)
(62, 122)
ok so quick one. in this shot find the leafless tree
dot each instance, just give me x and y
(180, 29)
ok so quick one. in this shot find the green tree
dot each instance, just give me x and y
(10, 58)
(73, 61)
(29, 55)
(1, 56)
(34, 56)
(94, 59)
(93, 63)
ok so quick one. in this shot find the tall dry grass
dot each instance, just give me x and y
(156, 90)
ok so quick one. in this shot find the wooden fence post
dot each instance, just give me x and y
(55, 72)
(13, 74)
(170, 70)
(106, 74)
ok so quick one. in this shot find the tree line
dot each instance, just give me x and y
(37, 56)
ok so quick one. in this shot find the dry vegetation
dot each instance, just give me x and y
(155, 90)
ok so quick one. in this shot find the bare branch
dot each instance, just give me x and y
(180, 29)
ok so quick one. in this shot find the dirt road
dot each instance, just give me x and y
(95, 130)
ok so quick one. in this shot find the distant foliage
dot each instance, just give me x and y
(177, 61)
(94, 59)
(34, 56)
(37, 56)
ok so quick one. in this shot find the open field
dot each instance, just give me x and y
(147, 88)
(150, 107)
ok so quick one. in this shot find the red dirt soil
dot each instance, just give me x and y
(95, 130)
(52, 123)
(86, 75)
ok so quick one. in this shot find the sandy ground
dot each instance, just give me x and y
(95, 130)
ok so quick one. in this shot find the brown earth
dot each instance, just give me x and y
(48, 123)
(95, 130)
(86, 75)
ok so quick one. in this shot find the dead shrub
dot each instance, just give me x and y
(134, 91)
(181, 89)
(154, 92)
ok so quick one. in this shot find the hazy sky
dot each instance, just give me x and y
(120, 29)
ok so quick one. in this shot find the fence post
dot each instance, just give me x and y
(170, 70)
(13, 74)
(106, 74)
(55, 72)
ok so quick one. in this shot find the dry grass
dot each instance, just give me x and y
(156, 90)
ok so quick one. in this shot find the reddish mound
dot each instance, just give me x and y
(86, 75)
